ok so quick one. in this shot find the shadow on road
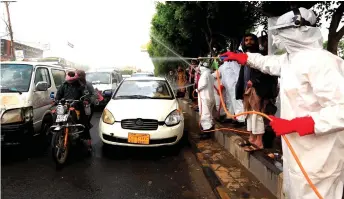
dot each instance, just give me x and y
(144, 153)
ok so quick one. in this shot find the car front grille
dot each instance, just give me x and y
(140, 124)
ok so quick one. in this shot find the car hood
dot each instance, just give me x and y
(102, 87)
(155, 109)
(14, 100)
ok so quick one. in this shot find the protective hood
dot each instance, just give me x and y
(287, 36)
(303, 38)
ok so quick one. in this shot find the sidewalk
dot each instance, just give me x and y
(232, 172)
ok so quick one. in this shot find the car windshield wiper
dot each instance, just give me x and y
(10, 90)
(133, 97)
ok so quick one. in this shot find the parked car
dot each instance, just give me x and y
(143, 112)
(27, 89)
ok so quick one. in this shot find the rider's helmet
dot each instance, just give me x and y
(71, 77)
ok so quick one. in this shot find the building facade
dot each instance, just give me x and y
(28, 52)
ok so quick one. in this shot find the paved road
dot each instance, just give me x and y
(121, 173)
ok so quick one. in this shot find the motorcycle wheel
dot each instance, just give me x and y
(59, 152)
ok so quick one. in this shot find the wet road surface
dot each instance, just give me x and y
(153, 173)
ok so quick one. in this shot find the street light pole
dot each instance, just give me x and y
(10, 29)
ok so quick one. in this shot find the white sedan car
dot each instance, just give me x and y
(143, 112)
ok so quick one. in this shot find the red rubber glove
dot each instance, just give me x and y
(302, 125)
(241, 58)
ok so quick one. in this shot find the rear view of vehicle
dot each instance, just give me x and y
(104, 81)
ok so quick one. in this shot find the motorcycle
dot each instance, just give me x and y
(66, 129)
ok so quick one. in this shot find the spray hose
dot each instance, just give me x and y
(247, 132)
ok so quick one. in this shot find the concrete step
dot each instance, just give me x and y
(231, 171)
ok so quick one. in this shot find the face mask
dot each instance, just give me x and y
(278, 43)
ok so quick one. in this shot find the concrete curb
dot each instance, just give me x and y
(265, 171)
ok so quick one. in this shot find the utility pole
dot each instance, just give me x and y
(10, 29)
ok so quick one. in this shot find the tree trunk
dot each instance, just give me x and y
(333, 35)
(332, 45)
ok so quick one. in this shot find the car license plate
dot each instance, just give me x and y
(62, 118)
(137, 138)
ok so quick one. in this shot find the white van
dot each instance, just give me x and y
(27, 89)
(105, 81)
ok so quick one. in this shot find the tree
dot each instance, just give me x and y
(193, 29)
(126, 72)
(340, 48)
(335, 12)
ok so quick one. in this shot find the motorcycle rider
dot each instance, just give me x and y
(73, 89)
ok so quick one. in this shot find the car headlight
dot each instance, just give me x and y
(107, 117)
(17, 115)
(174, 118)
(28, 113)
(60, 110)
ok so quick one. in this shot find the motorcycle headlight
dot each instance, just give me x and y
(174, 118)
(17, 115)
(60, 110)
(107, 117)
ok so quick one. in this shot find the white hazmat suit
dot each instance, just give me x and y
(206, 98)
(312, 83)
(229, 76)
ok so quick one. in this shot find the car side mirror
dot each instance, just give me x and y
(42, 86)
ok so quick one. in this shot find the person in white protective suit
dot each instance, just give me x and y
(312, 104)
(229, 72)
(206, 99)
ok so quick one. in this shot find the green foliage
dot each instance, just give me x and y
(340, 47)
(126, 72)
(193, 29)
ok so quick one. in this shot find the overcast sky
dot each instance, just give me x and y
(104, 32)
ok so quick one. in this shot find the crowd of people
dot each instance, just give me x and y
(311, 92)
(243, 88)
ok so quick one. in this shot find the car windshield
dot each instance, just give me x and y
(98, 77)
(144, 89)
(15, 77)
